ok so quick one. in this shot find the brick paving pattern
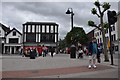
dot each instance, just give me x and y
(48, 72)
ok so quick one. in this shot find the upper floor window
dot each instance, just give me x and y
(0, 32)
(97, 33)
(14, 33)
(114, 37)
(100, 32)
(113, 28)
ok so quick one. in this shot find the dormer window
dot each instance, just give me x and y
(14, 33)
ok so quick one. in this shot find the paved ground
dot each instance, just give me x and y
(59, 66)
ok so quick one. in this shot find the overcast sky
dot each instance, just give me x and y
(14, 14)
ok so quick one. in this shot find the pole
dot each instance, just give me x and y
(111, 51)
(72, 20)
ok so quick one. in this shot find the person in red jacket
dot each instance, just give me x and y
(39, 49)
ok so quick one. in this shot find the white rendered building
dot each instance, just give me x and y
(114, 35)
(3, 31)
(13, 42)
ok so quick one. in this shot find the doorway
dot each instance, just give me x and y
(12, 50)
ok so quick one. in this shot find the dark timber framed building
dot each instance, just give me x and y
(40, 33)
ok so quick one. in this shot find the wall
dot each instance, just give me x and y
(2, 34)
(10, 35)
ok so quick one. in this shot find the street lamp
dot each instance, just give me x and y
(70, 11)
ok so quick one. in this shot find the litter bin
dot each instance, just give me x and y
(73, 51)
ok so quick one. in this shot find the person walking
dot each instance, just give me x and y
(39, 49)
(52, 51)
(93, 51)
(44, 52)
(99, 52)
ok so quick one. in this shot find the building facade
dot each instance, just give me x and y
(13, 42)
(118, 28)
(3, 32)
(114, 35)
(90, 35)
(40, 33)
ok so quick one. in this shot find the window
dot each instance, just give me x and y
(43, 28)
(14, 33)
(114, 37)
(31, 37)
(28, 27)
(116, 48)
(113, 28)
(47, 28)
(100, 32)
(33, 28)
(13, 40)
(100, 40)
(47, 38)
(52, 29)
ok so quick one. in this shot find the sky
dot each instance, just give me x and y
(15, 13)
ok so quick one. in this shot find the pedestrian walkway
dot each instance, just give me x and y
(48, 72)
(60, 65)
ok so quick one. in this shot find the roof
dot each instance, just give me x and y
(15, 30)
(91, 31)
(44, 23)
(6, 29)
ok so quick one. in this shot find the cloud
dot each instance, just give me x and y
(15, 14)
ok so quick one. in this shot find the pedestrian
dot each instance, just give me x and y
(32, 53)
(35, 52)
(99, 52)
(80, 51)
(39, 49)
(92, 53)
(44, 52)
(52, 51)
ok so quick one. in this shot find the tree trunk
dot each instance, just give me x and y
(104, 41)
(105, 47)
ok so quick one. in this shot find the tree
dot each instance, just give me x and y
(76, 35)
(62, 44)
(102, 26)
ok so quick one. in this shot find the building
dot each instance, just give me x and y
(90, 35)
(114, 35)
(13, 42)
(3, 32)
(40, 33)
(118, 28)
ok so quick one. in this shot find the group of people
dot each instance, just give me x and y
(33, 52)
(93, 51)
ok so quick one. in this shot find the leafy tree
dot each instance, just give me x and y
(62, 44)
(76, 35)
(102, 26)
